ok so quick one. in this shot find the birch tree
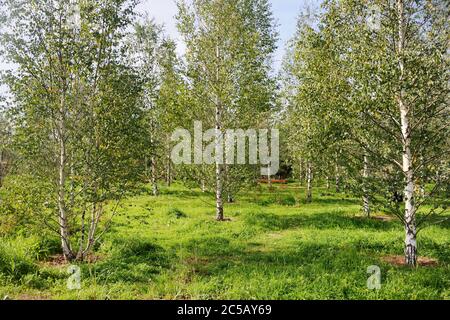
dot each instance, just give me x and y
(312, 82)
(5, 157)
(399, 71)
(229, 44)
(74, 100)
(145, 43)
(171, 106)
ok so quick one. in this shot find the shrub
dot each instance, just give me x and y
(177, 213)
(15, 259)
(24, 201)
(287, 201)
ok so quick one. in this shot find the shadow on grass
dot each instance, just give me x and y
(131, 260)
(336, 201)
(321, 265)
(429, 246)
(444, 224)
(325, 220)
(184, 194)
(285, 197)
(336, 271)
(219, 251)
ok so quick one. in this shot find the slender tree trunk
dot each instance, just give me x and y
(410, 210)
(366, 198)
(62, 216)
(97, 210)
(80, 255)
(2, 167)
(146, 167)
(309, 174)
(203, 186)
(422, 181)
(228, 188)
(153, 176)
(269, 177)
(169, 172)
(337, 173)
(219, 165)
(219, 178)
(438, 177)
(72, 183)
(422, 190)
(408, 170)
(219, 173)
(301, 176)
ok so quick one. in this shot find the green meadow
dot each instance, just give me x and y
(274, 246)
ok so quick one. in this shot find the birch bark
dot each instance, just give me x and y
(408, 170)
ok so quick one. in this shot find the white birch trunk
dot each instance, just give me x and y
(408, 170)
(219, 166)
(169, 171)
(309, 178)
(338, 178)
(153, 177)
(301, 176)
(203, 186)
(366, 198)
(229, 187)
(219, 174)
(2, 167)
(62, 214)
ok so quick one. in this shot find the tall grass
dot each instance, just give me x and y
(275, 246)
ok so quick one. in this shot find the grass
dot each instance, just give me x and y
(275, 247)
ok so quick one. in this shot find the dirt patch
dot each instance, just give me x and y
(383, 218)
(59, 260)
(55, 261)
(29, 297)
(225, 220)
(400, 261)
(377, 218)
(196, 261)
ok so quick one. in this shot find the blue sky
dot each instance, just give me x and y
(285, 12)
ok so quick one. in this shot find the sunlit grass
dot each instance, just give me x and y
(275, 247)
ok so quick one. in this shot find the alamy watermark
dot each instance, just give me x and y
(228, 147)
(374, 281)
(74, 280)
